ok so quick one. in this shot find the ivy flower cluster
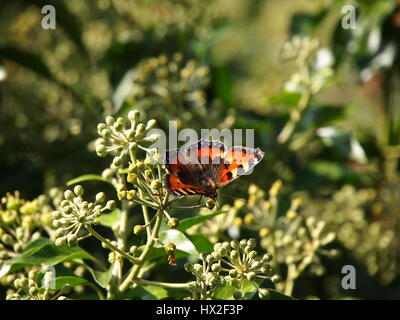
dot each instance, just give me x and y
(31, 288)
(120, 137)
(21, 221)
(76, 213)
(231, 263)
(174, 84)
(295, 240)
(214, 229)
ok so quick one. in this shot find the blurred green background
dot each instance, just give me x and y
(107, 56)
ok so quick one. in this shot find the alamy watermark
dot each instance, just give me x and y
(49, 278)
(49, 20)
(349, 20)
(349, 280)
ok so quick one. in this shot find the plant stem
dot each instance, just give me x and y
(145, 215)
(121, 236)
(111, 246)
(291, 277)
(149, 245)
(295, 117)
(185, 285)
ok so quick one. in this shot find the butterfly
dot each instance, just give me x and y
(206, 166)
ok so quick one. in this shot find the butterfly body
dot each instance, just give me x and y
(206, 166)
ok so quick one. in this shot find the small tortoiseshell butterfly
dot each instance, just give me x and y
(206, 166)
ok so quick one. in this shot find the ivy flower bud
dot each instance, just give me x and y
(131, 178)
(251, 276)
(117, 161)
(252, 254)
(225, 245)
(69, 195)
(110, 121)
(235, 245)
(33, 291)
(32, 275)
(111, 205)
(249, 218)
(237, 295)
(105, 133)
(276, 187)
(133, 115)
(150, 124)
(100, 197)
(7, 239)
(101, 126)
(267, 257)
(59, 242)
(78, 190)
(256, 265)
(170, 248)
(275, 278)
(234, 255)
(131, 194)
(101, 150)
(138, 229)
(291, 214)
(72, 240)
(235, 283)
(173, 223)
(266, 269)
(210, 203)
(188, 267)
(140, 130)
(263, 232)
(216, 267)
(251, 243)
(197, 268)
(156, 184)
(119, 124)
(233, 273)
(263, 293)
(131, 134)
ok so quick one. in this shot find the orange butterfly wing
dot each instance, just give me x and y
(238, 161)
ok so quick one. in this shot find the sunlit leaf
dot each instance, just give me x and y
(186, 223)
(286, 98)
(109, 219)
(44, 251)
(180, 240)
(102, 278)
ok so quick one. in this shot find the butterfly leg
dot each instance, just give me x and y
(201, 197)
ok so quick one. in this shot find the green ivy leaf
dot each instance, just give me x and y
(72, 281)
(109, 219)
(201, 243)
(287, 98)
(147, 293)
(44, 251)
(180, 240)
(102, 278)
(185, 224)
(87, 177)
(226, 292)
(276, 295)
